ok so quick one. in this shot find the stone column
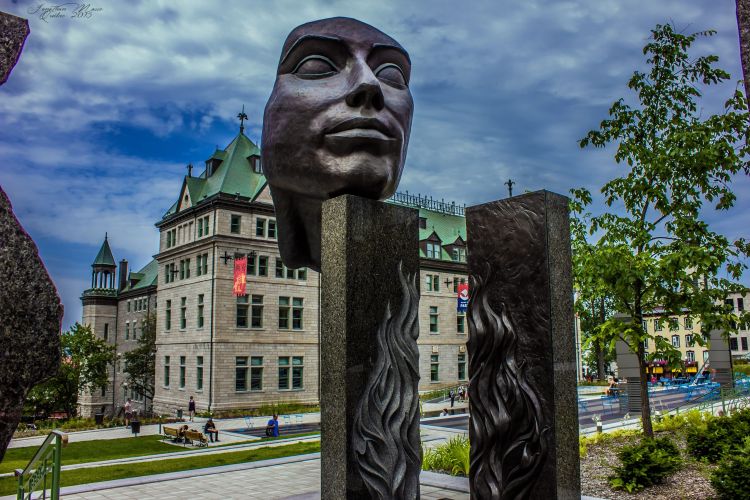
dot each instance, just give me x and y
(523, 402)
(720, 360)
(628, 369)
(369, 358)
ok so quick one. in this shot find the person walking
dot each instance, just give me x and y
(452, 395)
(128, 407)
(191, 408)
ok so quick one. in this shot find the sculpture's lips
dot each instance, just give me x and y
(361, 128)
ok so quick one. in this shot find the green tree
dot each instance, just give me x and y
(654, 250)
(84, 367)
(140, 363)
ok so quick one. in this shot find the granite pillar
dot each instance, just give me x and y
(369, 363)
(522, 365)
(720, 360)
(13, 33)
(31, 315)
(628, 369)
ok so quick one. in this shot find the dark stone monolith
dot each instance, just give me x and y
(370, 446)
(30, 313)
(629, 369)
(522, 366)
(13, 33)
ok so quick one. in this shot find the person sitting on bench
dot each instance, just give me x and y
(181, 433)
(211, 431)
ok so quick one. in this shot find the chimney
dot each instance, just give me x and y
(123, 274)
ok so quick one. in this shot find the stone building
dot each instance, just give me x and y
(241, 352)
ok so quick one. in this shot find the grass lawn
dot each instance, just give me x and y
(9, 485)
(91, 451)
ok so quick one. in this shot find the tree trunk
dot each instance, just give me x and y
(648, 430)
(598, 350)
(743, 26)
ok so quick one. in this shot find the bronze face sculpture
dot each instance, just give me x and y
(337, 122)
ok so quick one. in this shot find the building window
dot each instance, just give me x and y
(272, 228)
(199, 373)
(202, 267)
(106, 331)
(168, 316)
(255, 161)
(459, 254)
(166, 371)
(432, 282)
(256, 373)
(456, 282)
(740, 304)
(433, 319)
(674, 325)
(744, 343)
(675, 341)
(240, 373)
(183, 313)
(657, 325)
(302, 274)
(461, 366)
(251, 264)
(169, 239)
(297, 368)
(127, 331)
(689, 340)
(200, 310)
(705, 356)
(182, 372)
(290, 274)
(234, 225)
(128, 306)
(460, 323)
(422, 223)
(260, 227)
(283, 373)
(434, 368)
(433, 250)
(279, 268)
(690, 356)
(645, 344)
(688, 323)
(297, 311)
(205, 225)
(733, 344)
(263, 265)
(242, 307)
(284, 313)
(200, 228)
(256, 321)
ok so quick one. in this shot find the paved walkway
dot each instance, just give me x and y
(271, 479)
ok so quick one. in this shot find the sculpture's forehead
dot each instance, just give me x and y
(347, 29)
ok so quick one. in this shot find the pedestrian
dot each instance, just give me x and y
(452, 395)
(191, 408)
(210, 430)
(444, 413)
(272, 427)
(128, 407)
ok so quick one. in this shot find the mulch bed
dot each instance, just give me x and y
(689, 482)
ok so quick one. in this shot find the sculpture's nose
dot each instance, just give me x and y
(365, 89)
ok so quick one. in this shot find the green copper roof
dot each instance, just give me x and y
(146, 277)
(234, 175)
(104, 257)
(447, 227)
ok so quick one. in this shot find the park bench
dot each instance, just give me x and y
(172, 432)
(196, 438)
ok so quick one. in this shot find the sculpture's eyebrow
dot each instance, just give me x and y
(394, 47)
(305, 38)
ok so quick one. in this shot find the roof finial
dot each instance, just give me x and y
(242, 116)
(105, 235)
(510, 187)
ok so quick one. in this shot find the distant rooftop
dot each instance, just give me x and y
(419, 201)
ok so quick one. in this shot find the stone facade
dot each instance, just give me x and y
(231, 353)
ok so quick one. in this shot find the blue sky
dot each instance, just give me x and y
(103, 112)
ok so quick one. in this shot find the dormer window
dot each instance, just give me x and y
(433, 250)
(459, 254)
(256, 164)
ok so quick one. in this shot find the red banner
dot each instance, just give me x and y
(240, 276)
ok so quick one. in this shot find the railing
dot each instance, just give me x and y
(420, 201)
(46, 461)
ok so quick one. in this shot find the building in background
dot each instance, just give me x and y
(233, 352)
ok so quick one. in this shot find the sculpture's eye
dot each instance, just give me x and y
(315, 66)
(391, 73)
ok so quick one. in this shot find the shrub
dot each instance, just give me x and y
(732, 478)
(720, 435)
(451, 457)
(645, 464)
(594, 439)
